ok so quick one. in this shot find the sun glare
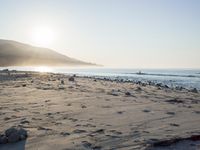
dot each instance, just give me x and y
(42, 36)
(42, 69)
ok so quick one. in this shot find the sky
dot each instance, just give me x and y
(114, 33)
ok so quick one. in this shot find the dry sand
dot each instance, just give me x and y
(95, 114)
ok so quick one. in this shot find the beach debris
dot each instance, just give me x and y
(71, 79)
(194, 90)
(13, 135)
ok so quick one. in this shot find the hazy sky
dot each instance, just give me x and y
(115, 33)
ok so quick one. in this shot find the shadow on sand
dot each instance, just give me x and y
(13, 146)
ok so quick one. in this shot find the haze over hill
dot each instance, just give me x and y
(14, 53)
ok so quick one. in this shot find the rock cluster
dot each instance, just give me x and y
(13, 135)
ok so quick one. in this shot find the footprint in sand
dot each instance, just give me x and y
(88, 145)
(42, 128)
(120, 112)
(78, 131)
(170, 113)
(115, 132)
(73, 119)
(64, 133)
(174, 124)
(83, 106)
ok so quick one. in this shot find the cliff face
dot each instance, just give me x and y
(13, 53)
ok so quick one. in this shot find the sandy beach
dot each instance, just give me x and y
(94, 114)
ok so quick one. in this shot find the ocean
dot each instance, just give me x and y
(187, 78)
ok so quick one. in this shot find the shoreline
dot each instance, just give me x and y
(117, 79)
(91, 113)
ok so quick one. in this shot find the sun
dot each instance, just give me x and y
(42, 36)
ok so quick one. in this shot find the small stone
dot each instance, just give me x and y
(128, 94)
(170, 113)
(71, 79)
(62, 82)
(65, 133)
(83, 106)
(138, 89)
(146, 110)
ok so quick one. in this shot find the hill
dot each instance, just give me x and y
(14, 53)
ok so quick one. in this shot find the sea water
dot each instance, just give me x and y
(188, 78)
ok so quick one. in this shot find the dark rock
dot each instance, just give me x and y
(180, 88)
(170, 113)
(62, 82)
(166, 86)
(10, 131)
(24, 122)
(86, 144)
(128, 94)
(15, 134)
(23, 132)
(166, 142)
(99, 131)
(7, 118)
(5, 70)
(138, 89)
(195, 137)
(71, 79)
(3, 139)
(159, 85)
(65, 133)
(174, 124)
(173, 101)
(194, 90)
(146, 110)
(79, 131)
(83, 106)
(14, 137)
